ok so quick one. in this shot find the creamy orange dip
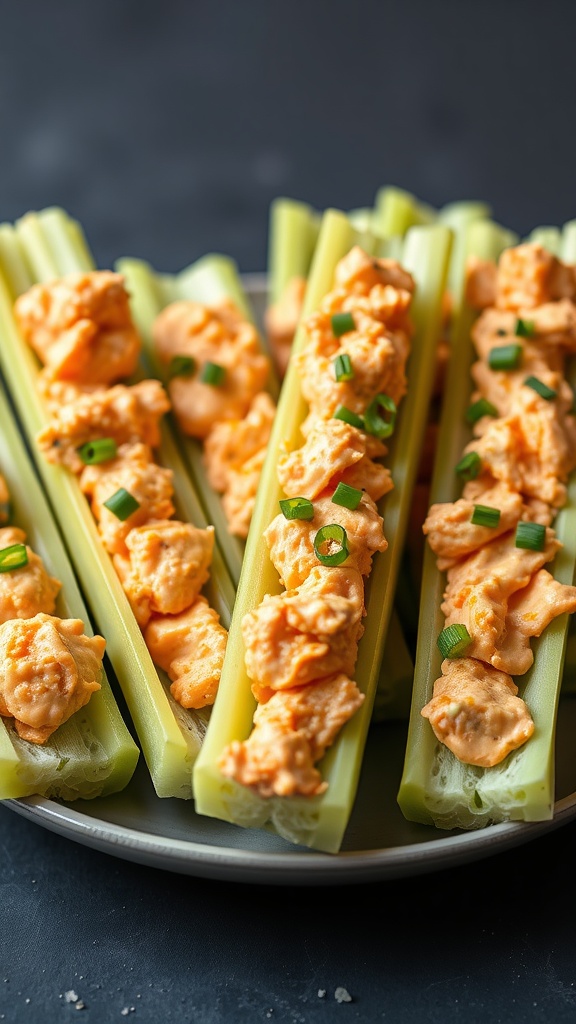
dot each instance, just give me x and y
(524, 448)
(81, 329)
(301, 645)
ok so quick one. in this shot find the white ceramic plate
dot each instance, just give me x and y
(379, 843)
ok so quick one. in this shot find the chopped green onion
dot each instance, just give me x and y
(343, 369)
(349, 497)
(469, 466)
(101, 450)
(505, 357)
(342, 413)
(324, 542)
(122, 504)
(524, 328)
(342, 323)
(485, 515)
(479, 409)
(377, 424)
(13, 557)
(213, 373)
(454, 640)
(540, 387)
(530, 535)
(181, 366)
(297, 508)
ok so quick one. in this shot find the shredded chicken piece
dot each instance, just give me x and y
(167, 565)
(239, 497)
(80, 327)
(127, 414)
(190, 647)
(27, 591)
(134, 470)
(4, 501)
(231, 443)
(452, 535)
(48, 670)
(530, 611)
(292, 731)
(476, 713)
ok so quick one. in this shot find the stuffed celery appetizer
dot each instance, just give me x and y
(327, 542)
(201, 339)
(135, 529)
(61, 733)
(481, 740)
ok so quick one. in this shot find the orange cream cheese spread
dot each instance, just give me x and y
(281, 320)
(106, 432)
(217, 376)
(301, 645)
(48, 668)
(496, 540)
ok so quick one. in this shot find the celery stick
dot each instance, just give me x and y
(457, 216)
(91, 754)
(435, 787)
(292, 233)
(396, 210)
(170, 736)
(320, 822)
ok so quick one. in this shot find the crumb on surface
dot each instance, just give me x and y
(341, 995)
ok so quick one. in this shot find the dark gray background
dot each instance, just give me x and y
(167, 129)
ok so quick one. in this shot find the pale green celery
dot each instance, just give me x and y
(458, 216)
(91, 754)
(169, 736)
(396, 210)
(436, 788)
(548, 236)
(292, 234)
(320, 822)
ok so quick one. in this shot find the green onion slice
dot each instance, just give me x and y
(454, 640)
(101, 450)
(342, 413)
(213, 373)
(297, 508)
(377, 424)
(122, 504)
(181, 366)
(469, 466)
(349, 497)
(505, 357)
(485, 515)
(13, 557)
(479, 409)
(530, 535)
(343, 369)
(342, 323)
(540, 387)
(524, 328)
(324, 542)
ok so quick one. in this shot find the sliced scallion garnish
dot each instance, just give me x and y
(213, 374)
(181, 366)
(376, 424)
(14, 556)
(505, 357)
(101, 450)
(296, 508)
(122, 504)
(479, 409)
(343, 369)
(530, 535)
(342, 323)
(324, 542)
(524, 328)
(469, 466)
(343, 413)
(540, 387)
(485, 515)
(454, 640)
(349, 497)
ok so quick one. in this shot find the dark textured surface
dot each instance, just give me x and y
(167, 129)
